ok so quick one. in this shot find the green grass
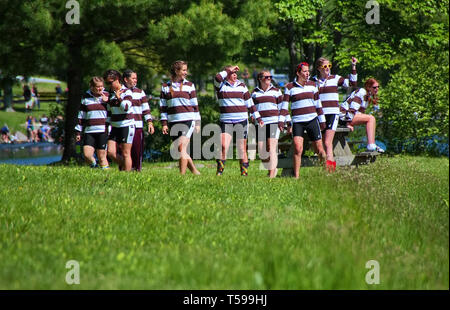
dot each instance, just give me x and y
(160, 230)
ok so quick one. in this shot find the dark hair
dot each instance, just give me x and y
(260, 75)
(111, 73)
(127, 73)
(177, 65)
(95, 80)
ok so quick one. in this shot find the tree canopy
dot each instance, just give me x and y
(403, 51)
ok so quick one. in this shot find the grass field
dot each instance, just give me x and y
(159, 230)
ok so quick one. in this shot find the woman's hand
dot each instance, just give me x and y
(150, 128)
(165, 130)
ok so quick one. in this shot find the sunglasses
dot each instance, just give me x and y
(268, 77)
(375, 87)
(326, 66)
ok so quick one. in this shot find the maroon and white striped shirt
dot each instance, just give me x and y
(234, 100)
(328, 90)
(357, 102)
(178, 102)
(92, 115)
(268, 103)
(305, 102)
(120, 112)
(141, 108)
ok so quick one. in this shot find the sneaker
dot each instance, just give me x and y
(374, 148)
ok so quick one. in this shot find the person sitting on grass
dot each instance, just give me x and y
(92, 123)
(354, 107)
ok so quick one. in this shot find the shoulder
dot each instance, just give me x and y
(289, 86)
(311, 83)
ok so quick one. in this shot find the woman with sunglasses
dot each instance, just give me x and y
(354, 107)
(121, 118)
(329, 96)
(235, 102)
(268, 101)
(307, 114)
(179, 112)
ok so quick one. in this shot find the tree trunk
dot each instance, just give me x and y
(318, 51)
(74, 83)
(8, 93)
(291, 44)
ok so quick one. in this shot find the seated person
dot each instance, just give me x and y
(353, 111)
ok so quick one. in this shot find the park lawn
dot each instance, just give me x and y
(16, 121)
(159, 230)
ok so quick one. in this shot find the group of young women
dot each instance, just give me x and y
(314, 106)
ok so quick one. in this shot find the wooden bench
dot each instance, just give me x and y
(341, 149)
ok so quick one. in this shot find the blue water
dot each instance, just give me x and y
(30, 153)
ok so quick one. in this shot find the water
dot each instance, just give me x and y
(30, 153)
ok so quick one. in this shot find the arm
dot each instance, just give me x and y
(318, 105)
(163, 111)
(352, 78)
(252, 108)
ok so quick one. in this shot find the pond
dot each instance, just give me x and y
(30, 153)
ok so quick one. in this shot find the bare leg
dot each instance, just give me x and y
(88, 152)
(328, 141)
(126, 153)
(112, 153)
(297, 157)
(101, 154)
(273, 157)
(369, 121)
(242, 150)
(226, 139)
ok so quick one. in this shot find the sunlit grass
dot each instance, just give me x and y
(160, 230)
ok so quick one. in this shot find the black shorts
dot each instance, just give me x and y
(122, 134)
(240, 128)
(331, 121)
(181, 129)
(312, 128)
(271, 131)
(97, 140)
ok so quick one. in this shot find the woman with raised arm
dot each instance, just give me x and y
(120, 116)
(92, 123)
(235, 102)
(307, 114)
(354, 107)
(179, 112)
(268, 101)
(328, 86)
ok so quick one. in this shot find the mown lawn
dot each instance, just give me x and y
(159, 230)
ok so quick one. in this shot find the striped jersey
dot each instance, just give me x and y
(328, 90)
(305, 102)
(178, 102)
(141, 108)
(268, 103)
(357, 102)
(120, 111)
(92, 115)
(234, 100)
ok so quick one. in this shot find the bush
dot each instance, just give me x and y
(415, 104)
